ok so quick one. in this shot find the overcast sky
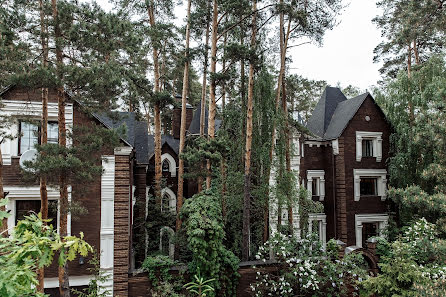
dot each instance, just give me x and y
(346, 55)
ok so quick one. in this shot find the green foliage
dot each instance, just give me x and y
(199, 286)
(157, 268)
(411, 265)
(417, 166)
(305, 268)
(33, 245)
(95, 289)
(205, 234)
(306, 207)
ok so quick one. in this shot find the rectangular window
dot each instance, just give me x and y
(29, 136)
(367, 148)
(53, 132)
(369, 230)
(369, 186)
(314, 187)
(26, 207)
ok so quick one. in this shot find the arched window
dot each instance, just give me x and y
(166, 241)
(169, 164)
(169, 200)
(166, 165)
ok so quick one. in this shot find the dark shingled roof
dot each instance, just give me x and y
(169, 139)
(136, 132)
(194, 127)
(333, 113)
(324, 110)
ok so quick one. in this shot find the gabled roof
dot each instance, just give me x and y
(333, 113)
(344, 112)
(194, 127)
(324, 110)
(172, 142)
(136, 132)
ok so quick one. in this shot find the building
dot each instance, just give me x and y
(343, 165)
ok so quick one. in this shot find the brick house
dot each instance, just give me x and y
(108, 199)
(343, 165)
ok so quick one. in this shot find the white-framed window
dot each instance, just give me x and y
(24, 200)
(317, 222)
(169, 200)
(370, 182)
(369, 225)
(169, 164)
(368, 144)
(316, 183)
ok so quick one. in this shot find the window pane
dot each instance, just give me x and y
(27, 207)
(368, 186)
(367, 148)
(369, 230)
(53, 132)
(165, 166)
(314, 187)
(29, 136)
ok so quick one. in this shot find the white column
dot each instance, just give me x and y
(324, 233)
(321, 189)
(107, 221)
(379, 149)
(357, 187)
(359, 234)
(310, 187)
(358, 148)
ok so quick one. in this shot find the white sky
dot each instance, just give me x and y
(346, 55)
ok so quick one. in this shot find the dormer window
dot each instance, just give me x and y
(368, 144)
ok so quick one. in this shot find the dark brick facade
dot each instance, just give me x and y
(339, 205)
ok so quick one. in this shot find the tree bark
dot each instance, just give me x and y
(157, 112)
(204, 87)
(415, 50)
(64, 285)
(287, 153)
(409, 74)
(183, 121)
(248, 145)
(212, 90)
(44, 133)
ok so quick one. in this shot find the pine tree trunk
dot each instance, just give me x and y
(64, 286)
(287, 154)
(204, 87)
(409, 74)
(44, 135)
(183, 121)
(247, 194)
(283, 47)
(415, 50)
(212, 91)
(157, 112)
(4, 225)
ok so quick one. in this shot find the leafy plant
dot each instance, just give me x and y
(200, 286)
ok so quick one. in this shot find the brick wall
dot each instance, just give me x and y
(122, 226)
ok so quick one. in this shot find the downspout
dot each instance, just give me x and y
(334, 193)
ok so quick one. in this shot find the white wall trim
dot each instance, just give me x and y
(172, 164)
(319, 175)
(377, 144)
(381, 219)
(380, 174)
(33, 193)
(335, 146)
(107, 220)
(123, 151)
(29, 109)
(75, 281)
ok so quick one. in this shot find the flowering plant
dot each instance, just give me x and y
(305, 267)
